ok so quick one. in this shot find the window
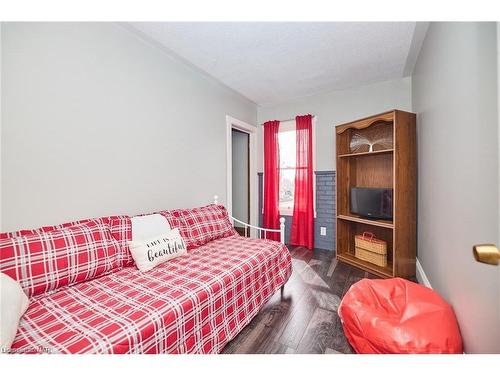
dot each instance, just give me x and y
(287, 143)
(287, 166)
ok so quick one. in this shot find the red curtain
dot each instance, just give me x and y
(303, 206)
(271, 178)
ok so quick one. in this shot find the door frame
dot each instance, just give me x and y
(251, 130)
(233, 129)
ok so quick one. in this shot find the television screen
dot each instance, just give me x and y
(373, 203)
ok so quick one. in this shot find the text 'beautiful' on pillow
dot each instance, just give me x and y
(151, 252)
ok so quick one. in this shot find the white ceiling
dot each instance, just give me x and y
(275, 62)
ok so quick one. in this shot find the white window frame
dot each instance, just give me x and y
(288, 126)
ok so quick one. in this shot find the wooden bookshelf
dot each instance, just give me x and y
(389, 165)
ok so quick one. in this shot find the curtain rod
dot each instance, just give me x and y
(290, 119)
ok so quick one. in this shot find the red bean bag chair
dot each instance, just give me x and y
(398, 316)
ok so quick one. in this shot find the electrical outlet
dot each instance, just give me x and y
(323, 231)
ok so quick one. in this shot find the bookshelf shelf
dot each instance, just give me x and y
(376, 223)
(367, 153)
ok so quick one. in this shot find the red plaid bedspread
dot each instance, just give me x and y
(192, 304)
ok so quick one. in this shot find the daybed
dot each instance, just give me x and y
(191, 304)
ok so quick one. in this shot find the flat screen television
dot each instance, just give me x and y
(372, 203)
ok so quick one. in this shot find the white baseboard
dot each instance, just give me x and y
(422, 277)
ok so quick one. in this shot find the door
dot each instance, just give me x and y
(498, 124)
(482, 228)
(458, 173)
(488, 255)
(240, 177)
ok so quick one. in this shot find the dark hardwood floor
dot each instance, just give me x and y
(304, 319)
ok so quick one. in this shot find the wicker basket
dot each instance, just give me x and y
(370, 249)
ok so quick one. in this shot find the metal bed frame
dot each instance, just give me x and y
(260, 231)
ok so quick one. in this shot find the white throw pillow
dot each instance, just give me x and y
(13, 304)
(147, 226)
(156, 250)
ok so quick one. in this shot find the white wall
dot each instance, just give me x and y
(336, 107)
(97, 121)
(239, 149)
(455, 98)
